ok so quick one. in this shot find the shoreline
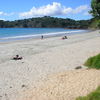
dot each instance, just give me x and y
(38, 36)
(42, 58)
(49, 37)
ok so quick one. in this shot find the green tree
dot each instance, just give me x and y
(47, 22)
(95, 5)
(95, 11)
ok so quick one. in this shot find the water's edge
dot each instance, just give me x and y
(45, 35)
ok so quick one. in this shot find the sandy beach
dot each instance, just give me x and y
(47, 70)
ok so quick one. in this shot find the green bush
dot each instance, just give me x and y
(92, 96)
(95, 24)
(93, 62)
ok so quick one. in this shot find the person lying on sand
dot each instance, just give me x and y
(17, 57)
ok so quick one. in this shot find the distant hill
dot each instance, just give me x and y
(46, 22)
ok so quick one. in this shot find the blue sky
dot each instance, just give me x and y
(20, 9)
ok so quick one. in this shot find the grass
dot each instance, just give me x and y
(93, 62)
(92, 96)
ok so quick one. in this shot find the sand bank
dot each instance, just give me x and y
(40, 59)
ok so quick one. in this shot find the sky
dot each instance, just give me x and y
(23, 9)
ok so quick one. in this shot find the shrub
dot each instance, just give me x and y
(93, 62)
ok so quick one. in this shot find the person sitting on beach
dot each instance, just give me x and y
(65, 37)
(17, 57)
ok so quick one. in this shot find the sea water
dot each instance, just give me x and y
(9, 34)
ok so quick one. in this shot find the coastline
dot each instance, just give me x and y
(42, 58)
(38, 36)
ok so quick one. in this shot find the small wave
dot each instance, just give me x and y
(38, 35)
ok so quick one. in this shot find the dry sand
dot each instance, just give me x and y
(46, 57)
(65, 86)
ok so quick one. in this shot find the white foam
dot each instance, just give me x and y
(38, 35)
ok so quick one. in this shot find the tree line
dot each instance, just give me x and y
(46, 22)
(52, 22)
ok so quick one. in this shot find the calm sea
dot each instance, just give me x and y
(9, 34)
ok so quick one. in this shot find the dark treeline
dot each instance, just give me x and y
(46, 22)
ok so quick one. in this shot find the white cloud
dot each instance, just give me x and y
(48, 10)
(2, 19)
(2, 13)
(54, 9)
(86, 13)
(10, 14)
(80, 9)
(5, 14)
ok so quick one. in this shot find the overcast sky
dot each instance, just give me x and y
(21, 9)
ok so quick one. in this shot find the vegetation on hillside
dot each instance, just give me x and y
(93, 62)
(46, 22)
(52, 22)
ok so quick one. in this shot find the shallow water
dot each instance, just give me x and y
(7, 34)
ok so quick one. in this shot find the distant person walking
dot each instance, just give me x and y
(42, 37)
